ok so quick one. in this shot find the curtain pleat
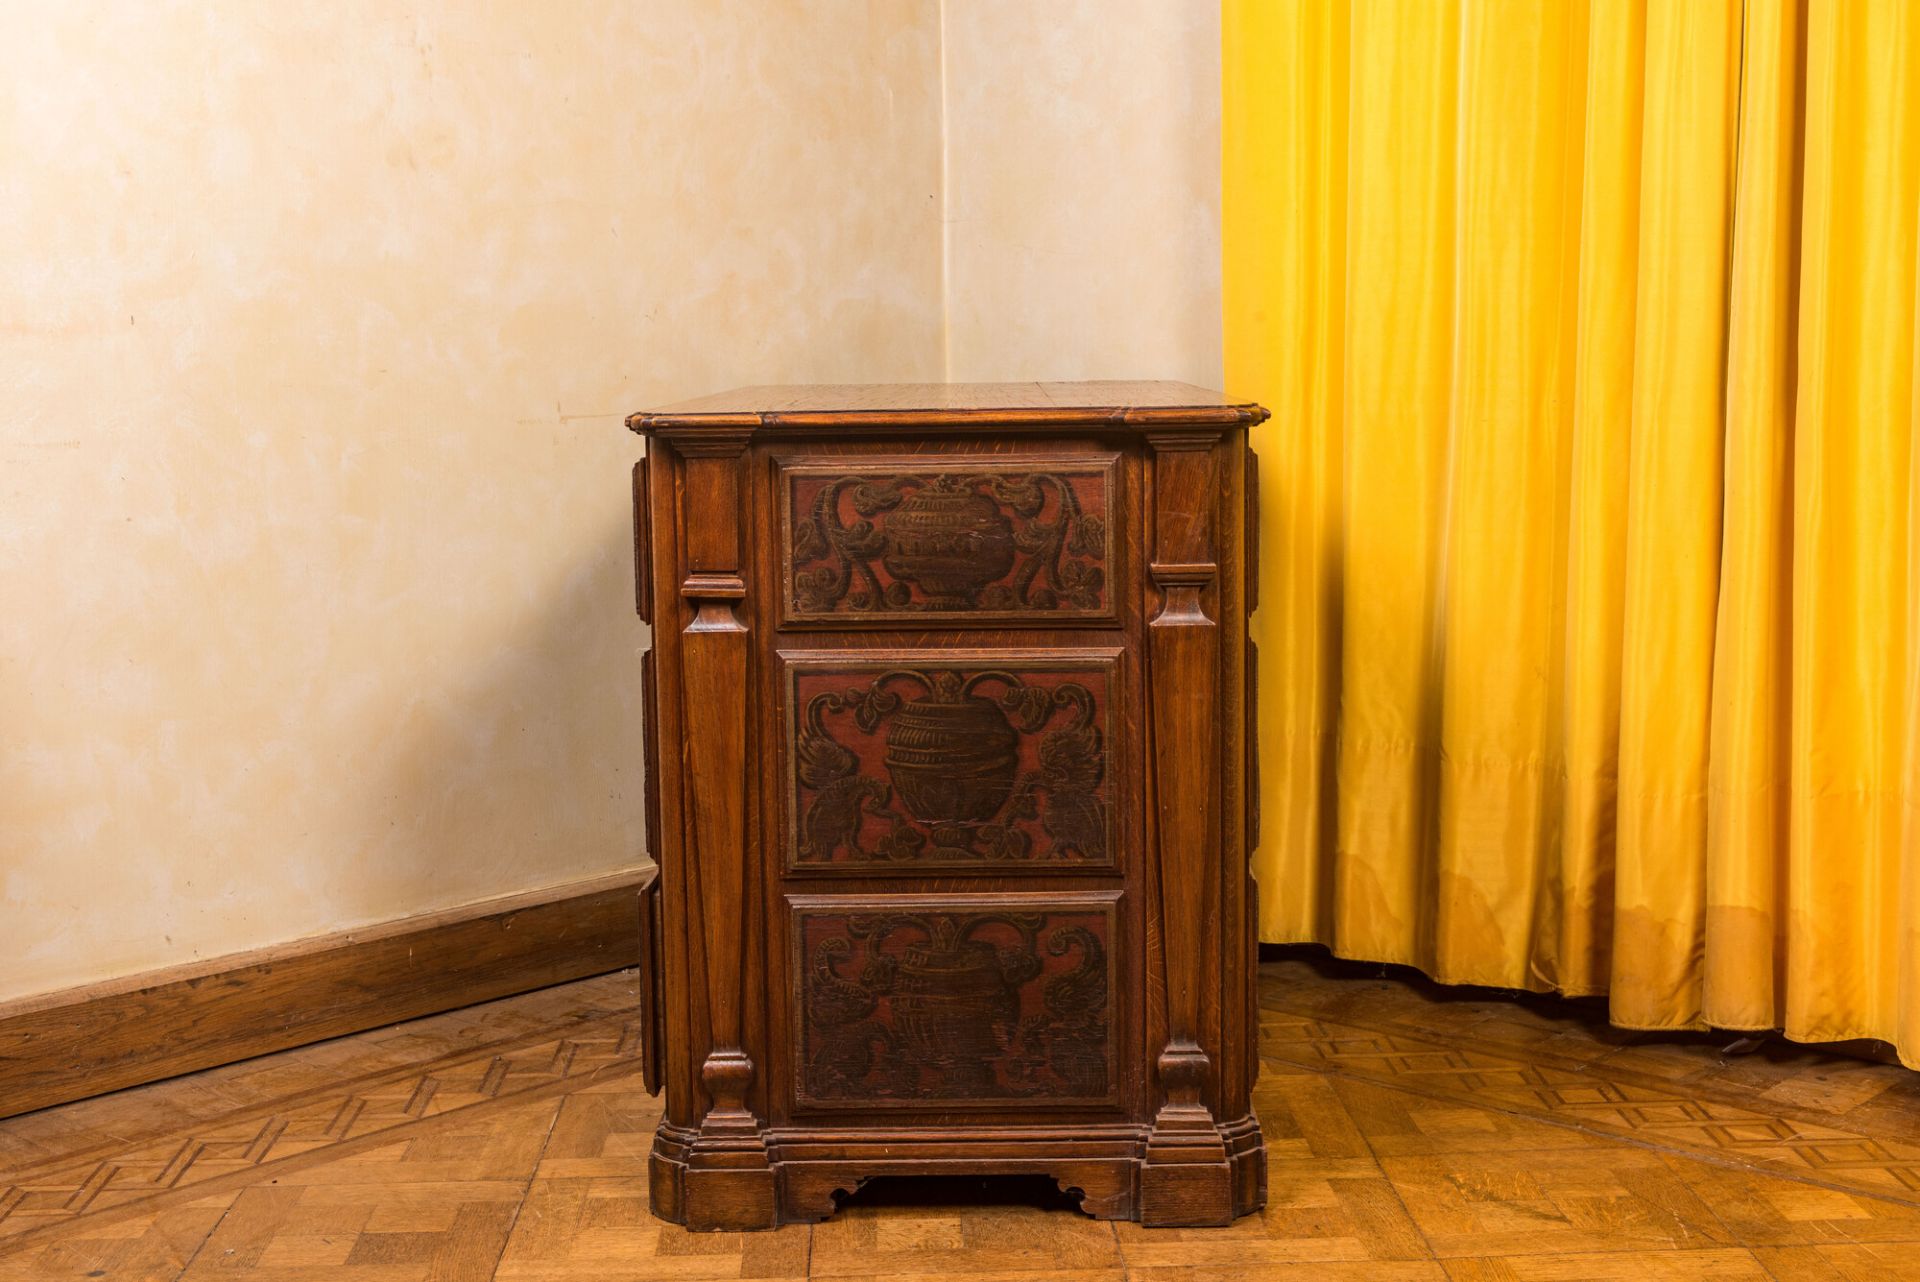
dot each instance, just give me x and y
(1673, 510)
(1497, 811)
(1853, 428)
(1397, 393)
(1748, 770)
(1605, 308)
(1291, 297)
(1590, 623)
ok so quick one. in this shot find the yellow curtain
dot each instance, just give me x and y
(1590, 612)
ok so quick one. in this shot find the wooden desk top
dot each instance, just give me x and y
(866, 406)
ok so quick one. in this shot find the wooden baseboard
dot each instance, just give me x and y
(87, 1041)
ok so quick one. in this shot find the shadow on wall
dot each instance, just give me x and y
(528, 768)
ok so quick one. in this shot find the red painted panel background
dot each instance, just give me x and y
(997, 541)
(924, 764)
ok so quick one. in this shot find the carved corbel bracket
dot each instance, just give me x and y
(1182, 587)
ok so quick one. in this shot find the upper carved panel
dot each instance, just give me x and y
(950, 542)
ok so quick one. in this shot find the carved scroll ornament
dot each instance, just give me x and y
(956, 1005)
(952, 766)
(990, 542)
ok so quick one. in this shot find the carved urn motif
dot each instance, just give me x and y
(952, 755)
(950, 541)
(956, 1001)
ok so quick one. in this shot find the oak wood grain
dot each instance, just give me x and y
(856, 409)
(1187, 1177)
(876, 398)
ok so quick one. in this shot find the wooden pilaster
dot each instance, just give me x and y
(1186, 1178)
(729, 1183)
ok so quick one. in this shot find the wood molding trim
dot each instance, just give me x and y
(68, 1045)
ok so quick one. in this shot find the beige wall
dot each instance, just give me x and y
(317, 323)
(1083, 189)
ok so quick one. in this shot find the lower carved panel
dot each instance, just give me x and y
(931, 1002)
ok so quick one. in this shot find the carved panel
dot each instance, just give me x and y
(934, 1002)
(951, 760)
(954, 542)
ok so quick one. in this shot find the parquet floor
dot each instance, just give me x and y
(1413, 1133)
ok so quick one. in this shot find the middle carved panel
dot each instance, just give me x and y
(951, 759)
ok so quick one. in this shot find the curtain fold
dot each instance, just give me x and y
(1590, 628)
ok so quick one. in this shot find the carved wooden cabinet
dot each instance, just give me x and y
(950, 787)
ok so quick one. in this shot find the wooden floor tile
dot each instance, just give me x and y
(1398, 1123)
(605, 1133)
(1306, 1220)
(1592, 1198)
(1768, 1210)
(145, 1248)
(601, 1228)
(893, 1241)
(1317, 1271)
(111, 1123)
(1413, 1134)
(1302, 1115)
(1733, 1264)
(312, 1125)
(934, 1269)
(1848, 1262)
(1608, 1096)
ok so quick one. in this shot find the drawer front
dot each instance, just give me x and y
(942, 1002)
(949, 541)
(970, 761)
